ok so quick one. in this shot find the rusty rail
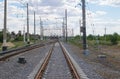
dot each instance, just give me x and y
(45, 62)
(44, 65)
(6, 56)
(71, 66)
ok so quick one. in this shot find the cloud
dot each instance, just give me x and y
(51, 9)
(100, 24)
(93, 1)
(114, 3)
(53, 3)
(101, 13)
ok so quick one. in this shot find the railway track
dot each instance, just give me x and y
(7, 54)
(57, 67)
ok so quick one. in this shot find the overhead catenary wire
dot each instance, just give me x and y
(90, 17)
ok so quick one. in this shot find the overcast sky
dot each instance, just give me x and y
(100, 14)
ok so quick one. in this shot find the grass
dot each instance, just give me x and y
(76, 42)
(104, 48)
(18, 44)
(111, 62)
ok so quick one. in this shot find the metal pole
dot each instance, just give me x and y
(80, 29)
(84, 27)
(93, 34)
(63, 28)
(72, 32)
(28, 40)
(24, 34)
(34, 29)
(66, 23)
(105, 34)
(5, 25)
(41, 29)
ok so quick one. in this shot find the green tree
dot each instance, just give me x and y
(90, 37)
(114, 39)
(19, 38)
(77, 37)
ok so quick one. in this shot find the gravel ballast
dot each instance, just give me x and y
(57, 67)
(86, 67)
(11, 69)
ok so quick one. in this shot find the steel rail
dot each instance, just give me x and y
(44, 65)
(46, 60)
(71, 66)
(6, 56)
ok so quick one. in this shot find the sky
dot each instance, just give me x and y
(100, 14)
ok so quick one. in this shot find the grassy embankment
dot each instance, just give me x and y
(112, 52)
(14, 45)
(18, 44)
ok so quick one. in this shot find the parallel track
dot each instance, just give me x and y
(23, 50)
(73, 70)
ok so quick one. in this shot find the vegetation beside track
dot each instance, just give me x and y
(110, 48)
(97, 47)
(15, 40)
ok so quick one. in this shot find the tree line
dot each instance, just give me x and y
(12, 36)
(108, 39)
(113, 39)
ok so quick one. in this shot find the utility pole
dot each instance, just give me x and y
(24, 34)
(41, 29)
(28, 39)
(80, 29)
(66, 23)
(84, 27)
(5, 25)
(105, 34)
(93, 29)
(63, 29)
(93, 34)
(72, 32)
(34, 29)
